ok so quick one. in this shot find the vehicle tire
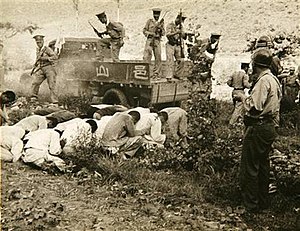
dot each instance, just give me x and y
(115, 96)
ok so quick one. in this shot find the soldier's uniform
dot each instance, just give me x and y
(206, 50)
(173, 48)
(153, 31)
(44, 69)
(261, 118)
(116, 32)
(239, 80)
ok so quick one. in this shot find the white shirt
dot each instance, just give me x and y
(33, 123)
(16, 132)
(44, 140)
(75, 130)
(150, 125)
(12, 144)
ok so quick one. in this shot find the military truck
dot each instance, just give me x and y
(85, 68)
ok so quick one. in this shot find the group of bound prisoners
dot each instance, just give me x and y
(51, 133)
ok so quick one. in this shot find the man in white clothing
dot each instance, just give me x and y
(75, 132)
(150, 127)
(11, 143)
(36, 122)
(43, 146)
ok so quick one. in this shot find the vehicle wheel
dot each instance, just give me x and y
(115, 96)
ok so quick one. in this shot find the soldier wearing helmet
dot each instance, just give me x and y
(266, 42)
(261, 118)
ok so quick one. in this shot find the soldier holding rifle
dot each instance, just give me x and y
(174, 46)
(44, 69)
(154, 30)
(116, 32)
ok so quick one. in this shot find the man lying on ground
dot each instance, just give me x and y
(61, 115)
(97, 111)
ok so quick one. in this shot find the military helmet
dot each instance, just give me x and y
(183, 15)
(38, 36)
(215, 34)
(156, 10)
(262, 57)
(264, 41)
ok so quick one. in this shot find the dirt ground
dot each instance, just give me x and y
(35, 200)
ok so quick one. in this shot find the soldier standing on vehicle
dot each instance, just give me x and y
(116, 32)
(44, 69)
(174, 46)
(206, 51)
(239, 80)
(261, 119)
(153, 31)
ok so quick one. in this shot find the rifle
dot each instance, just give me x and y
(100, 34)
(158, 29)
(180, 36)
(36, 64)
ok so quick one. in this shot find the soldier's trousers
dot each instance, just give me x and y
(153, 45)
(49, 73)
(255, 165)
(115, 47)
(171, 53)
(238, 112)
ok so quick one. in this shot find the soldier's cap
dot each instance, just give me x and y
(262, 57)
(264, 41)
(245, 64)
(38, 36)
(156, 10)
(101, 15)
(183, 15)
(215, 34)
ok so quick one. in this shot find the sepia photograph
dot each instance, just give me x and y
(162, 115)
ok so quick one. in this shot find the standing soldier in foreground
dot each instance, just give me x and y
(116, 32)
(261, 118)
(153, 31)
(239, 80)
(174, 46)
(44, 69)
